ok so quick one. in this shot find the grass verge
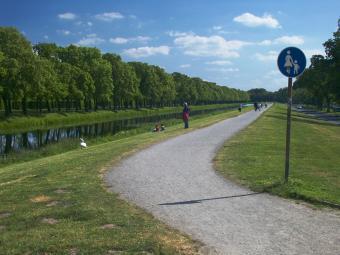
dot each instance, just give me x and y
(72, 144)
(21, 123)
(255, 157)
(58, 204)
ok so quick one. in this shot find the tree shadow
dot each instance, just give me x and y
(197, 201)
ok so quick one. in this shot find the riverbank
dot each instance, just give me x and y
(64, 145)
(255, 157)
(53, 120)
(62, 198)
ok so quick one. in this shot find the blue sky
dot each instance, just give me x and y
(232, 43)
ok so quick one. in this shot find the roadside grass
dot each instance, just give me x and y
(60, 205)
(22, 123)
(71, 144)
(256, 157)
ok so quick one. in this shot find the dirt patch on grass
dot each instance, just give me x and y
(73, 251)
(180, 244)
(53, 203)
(41, 199)
(108, 226)
(61, 191)
(4, 214)
(50, 221)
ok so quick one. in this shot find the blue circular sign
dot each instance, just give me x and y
(291, 62)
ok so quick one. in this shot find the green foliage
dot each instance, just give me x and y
(53, 78)
(322, 78)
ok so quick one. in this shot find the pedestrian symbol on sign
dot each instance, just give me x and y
(291, 62)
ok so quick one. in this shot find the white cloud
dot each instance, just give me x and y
(269, 56)
(212, 46)
(223, 70)
(64, 32)
(272, 74)
(45, 37)
(109, 16)
(119, 40)
(217, 27)
(90, 39)
(141, 38)
(266, 42)
(219, 62)
(288, 40)
(147, 51)
(67, 16)
(172, 33)
(293, 40)
(122, 40)
(250, 20)
(89, 24)
(310, 53)
(185, 66)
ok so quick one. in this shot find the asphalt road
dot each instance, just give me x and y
(175, 181)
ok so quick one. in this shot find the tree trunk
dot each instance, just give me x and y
(48, 105)
(24, 105)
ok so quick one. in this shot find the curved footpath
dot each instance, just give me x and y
(176, 182)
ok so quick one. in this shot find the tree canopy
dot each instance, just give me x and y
(49, 77)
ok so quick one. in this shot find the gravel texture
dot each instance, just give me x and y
(176, 182)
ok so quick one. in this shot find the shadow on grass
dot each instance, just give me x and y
(288, 190)
(302, 120)
(209, 199)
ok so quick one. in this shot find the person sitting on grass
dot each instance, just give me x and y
(157, 128)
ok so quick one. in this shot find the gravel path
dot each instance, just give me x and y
(176, 182)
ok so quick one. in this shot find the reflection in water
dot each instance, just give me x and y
(38, 138)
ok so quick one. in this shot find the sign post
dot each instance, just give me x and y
(291, 63)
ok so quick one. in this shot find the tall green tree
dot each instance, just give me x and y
(17, 51)
(126, 84)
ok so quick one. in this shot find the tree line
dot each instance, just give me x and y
(320, 82)
(49, 77)
(318, 85)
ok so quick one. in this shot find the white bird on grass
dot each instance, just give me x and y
(82, 143)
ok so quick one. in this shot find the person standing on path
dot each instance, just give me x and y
(186, 112)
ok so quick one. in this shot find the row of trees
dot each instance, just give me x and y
(320, 83)
(262, 95)
(47, 76)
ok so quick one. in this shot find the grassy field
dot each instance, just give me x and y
(59, 204)
(26, 123)
(255, 157)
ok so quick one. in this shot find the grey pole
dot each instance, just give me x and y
(289, 112)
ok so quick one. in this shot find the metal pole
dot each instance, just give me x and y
(289, 112)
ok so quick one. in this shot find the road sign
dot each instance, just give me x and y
(291, 62)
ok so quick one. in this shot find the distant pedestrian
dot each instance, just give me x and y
(240, 108)
(256, 106)
(186, 113)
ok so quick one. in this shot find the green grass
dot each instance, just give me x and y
(26, 190)
(256, 156)
(71, 144)
(21, 123)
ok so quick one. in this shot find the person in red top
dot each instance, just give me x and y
(186, 112)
